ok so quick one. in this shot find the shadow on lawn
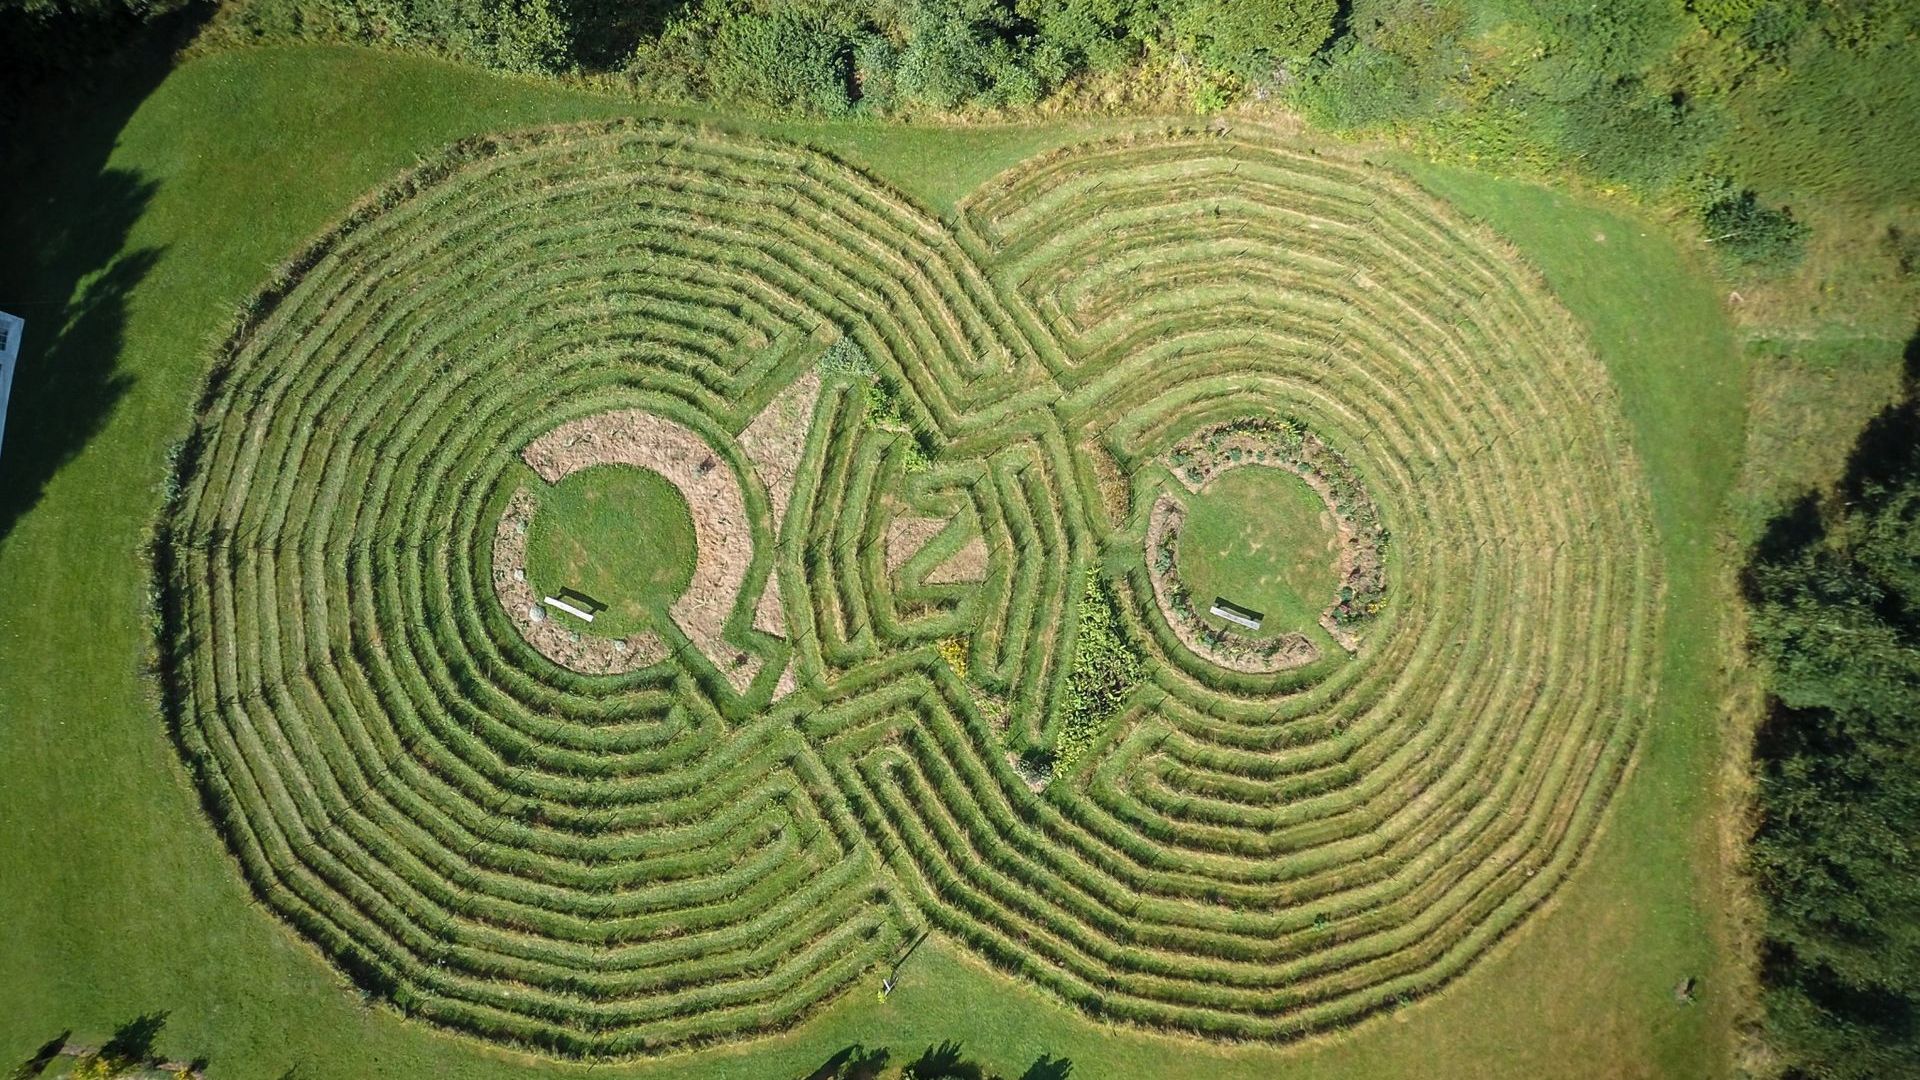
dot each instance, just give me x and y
(1885, 456)
(67, 216)
(945, 1061)
(130, 1050)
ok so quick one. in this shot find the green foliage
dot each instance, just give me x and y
(1105, 668)
(1357, 86)
(843, 357)
(885, 412)
(1749, 233)
(1584, 45)
(1788, 95)
(1253, 39)
(524, 36)
(1832, 112)
(784, 56)
(971, 52)
(876, 72)
(1628, 132)
(796, 58)
(1836, 624)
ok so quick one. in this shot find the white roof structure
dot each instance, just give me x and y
(10, 327)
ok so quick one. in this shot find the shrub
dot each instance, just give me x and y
(1253, 39)
(783, 59)
(1104, 669)
(1749, 233)
(967, 52)
(843, 357)
(1357, 85)
(954, 651)
(876, 67)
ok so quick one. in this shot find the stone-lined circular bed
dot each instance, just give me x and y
(1360, 594)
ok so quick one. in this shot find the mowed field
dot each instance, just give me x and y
(128, 902)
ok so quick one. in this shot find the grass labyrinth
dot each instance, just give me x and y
(899, 443)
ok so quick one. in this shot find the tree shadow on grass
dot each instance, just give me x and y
(1885, 456)
(132, 1042)
(41, 1058)
(1048, 1067)
(67, 216)
(943, 1061)
(853, 1062)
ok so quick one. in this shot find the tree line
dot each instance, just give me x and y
(1729, 107)
(1834, 590)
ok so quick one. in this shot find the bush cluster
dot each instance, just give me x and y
(1104, 669)
(1649, 95)
(1750, 233)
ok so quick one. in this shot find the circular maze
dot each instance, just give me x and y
(922, 460)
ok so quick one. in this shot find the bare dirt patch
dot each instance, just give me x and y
(906, 535)
(967, 564)
(777, 438)
(768, 616)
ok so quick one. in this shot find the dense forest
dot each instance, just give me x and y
(1835, 590)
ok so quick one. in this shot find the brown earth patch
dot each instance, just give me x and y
(907, 535)
(776, 439)
(967, 564)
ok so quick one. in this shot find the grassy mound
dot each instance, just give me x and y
(709, 847)
(622, 536)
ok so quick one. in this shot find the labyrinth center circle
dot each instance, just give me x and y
(614, 535)
(1261, 538)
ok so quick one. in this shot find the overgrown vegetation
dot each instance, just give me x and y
(1750, 234)
(1785, 97)
(811, 56)
(1788, 96)
(1105, 669)
(1835, 588)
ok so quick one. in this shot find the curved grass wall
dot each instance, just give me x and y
(710, 846)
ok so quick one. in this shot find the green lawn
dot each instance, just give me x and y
(151, 218)
(1265, 540)
(620, 535)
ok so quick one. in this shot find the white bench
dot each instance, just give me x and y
(1236, 614)
(568, 608)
